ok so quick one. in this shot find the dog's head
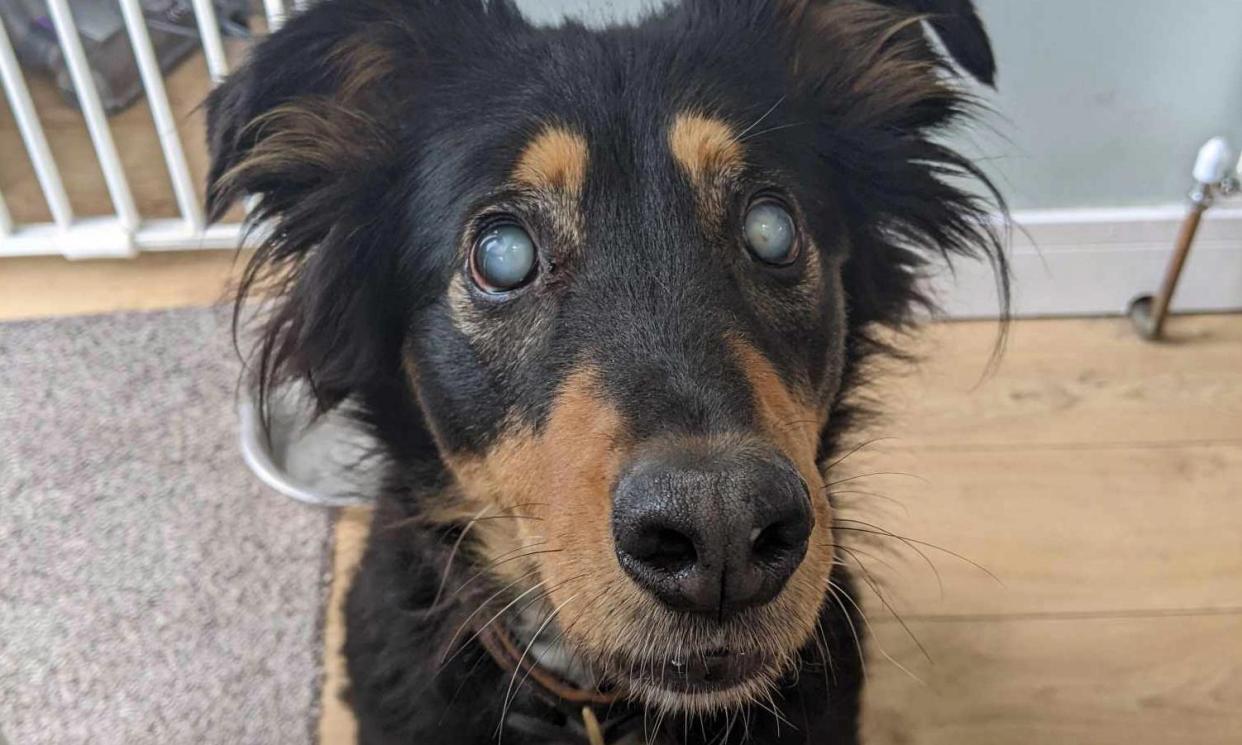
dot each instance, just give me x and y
(608, 289)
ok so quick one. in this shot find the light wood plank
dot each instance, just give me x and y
(1068, 382)
(1150, 681)
(1077, 530)
(52, 286)
(336, 721)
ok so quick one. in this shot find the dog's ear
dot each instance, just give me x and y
(305, 111)
(885, 97)
(960, 29)
(302, 130)
(306, 131)
(955, 22)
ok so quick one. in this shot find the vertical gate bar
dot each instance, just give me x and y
(6, 220)
(213, 47)
(92, 109)
(33, 135)
(275, 14)
(161, 112)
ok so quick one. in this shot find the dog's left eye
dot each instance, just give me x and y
(771, 234)
(504, 259)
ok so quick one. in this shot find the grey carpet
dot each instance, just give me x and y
(151, 591)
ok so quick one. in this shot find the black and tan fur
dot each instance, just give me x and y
(381, 137)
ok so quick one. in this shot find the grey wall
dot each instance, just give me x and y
(1107, 101)
(1102, 103)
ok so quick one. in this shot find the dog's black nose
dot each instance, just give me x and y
(711, 533)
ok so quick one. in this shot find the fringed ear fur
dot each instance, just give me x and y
(956, 23)
(886, 100)
(303, 129)
(308, 129)
(961, 30)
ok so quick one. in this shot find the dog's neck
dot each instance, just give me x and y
(536, 654)
(544, 643)
(548, 664)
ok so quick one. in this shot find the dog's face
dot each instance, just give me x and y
(621, 277)
(637, 348)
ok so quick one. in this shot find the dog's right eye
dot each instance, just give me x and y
(771, 234)
(504, 259)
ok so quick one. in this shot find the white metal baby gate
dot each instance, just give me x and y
(125, 232)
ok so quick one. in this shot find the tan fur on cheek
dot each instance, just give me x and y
(792, 420)
(556, 159)
(559, 479)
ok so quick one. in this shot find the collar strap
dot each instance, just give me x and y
(500, 645)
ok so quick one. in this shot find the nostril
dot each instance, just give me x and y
(777, 541)
(664, 549)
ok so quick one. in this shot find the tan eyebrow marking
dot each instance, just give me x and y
(555, 159)
(704, 146)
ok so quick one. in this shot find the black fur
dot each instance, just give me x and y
(374, 166)
(961, 31)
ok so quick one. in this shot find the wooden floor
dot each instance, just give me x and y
(1097, 477)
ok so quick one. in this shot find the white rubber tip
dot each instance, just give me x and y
(1213, 161)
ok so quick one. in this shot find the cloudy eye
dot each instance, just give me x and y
(770, 233)
(504, 258)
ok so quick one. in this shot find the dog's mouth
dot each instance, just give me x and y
(703, 681)
(704, 672)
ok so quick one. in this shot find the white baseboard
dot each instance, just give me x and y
(1095, 262)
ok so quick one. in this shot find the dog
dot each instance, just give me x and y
(606, 298)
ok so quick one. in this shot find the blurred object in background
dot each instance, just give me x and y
(328, 460)
(108, 52)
